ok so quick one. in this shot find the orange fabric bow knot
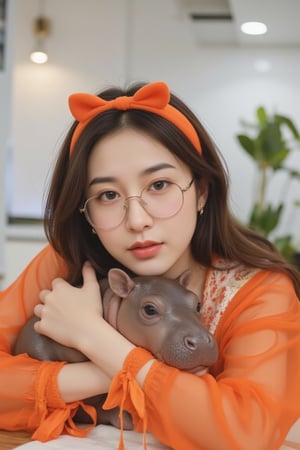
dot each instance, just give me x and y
(125, 388)
(153, 97)
(58, 421)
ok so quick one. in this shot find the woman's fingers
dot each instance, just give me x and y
(43, 294)
(90, 282)
(38, 310)
(88, 273)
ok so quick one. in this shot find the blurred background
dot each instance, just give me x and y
(196, 46)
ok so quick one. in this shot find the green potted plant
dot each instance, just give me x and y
(269, 142)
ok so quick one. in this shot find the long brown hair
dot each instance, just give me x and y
(216, 232)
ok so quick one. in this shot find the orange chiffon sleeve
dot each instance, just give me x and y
(29, 396)
(251, 398)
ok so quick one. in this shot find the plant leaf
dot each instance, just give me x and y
(273, 147)
(285, 247)
(292, 173)
(265, 220)
(277, 158)
(283, 120)
(261, 115)
(247, 143)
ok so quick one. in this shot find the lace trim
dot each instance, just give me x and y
(220, 289)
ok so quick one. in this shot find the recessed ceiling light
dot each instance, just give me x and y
(39, 57)
(262, 65)
(254, 28)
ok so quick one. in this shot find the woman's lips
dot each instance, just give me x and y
(144, 250)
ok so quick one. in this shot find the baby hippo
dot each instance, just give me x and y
(153, 312)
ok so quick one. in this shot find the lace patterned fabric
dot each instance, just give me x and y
(220, 288)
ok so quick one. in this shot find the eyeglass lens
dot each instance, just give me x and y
(158, 203)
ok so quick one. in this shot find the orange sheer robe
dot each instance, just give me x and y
(249, 400)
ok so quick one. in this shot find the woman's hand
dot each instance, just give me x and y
(66, 311)
(73, 317)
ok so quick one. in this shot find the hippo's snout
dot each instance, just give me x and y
(192, 342)
(189, 351)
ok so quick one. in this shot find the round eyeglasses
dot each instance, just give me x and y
(160, 199)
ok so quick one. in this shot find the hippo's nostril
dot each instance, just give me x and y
(190, 342)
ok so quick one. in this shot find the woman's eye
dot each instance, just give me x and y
(159, 185)
(107, 196)
(150, 310)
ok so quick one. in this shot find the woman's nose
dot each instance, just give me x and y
(137, 217)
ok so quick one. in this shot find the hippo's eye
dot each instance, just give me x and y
(150, 309)
(198, 307)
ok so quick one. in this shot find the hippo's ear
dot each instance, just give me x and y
(184, 278)
(120, 283)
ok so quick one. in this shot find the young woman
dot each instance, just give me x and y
(140, 185)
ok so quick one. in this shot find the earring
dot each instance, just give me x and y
(201, 211)
(94, 231)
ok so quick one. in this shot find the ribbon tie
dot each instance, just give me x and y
(153, 97)
(57, 421)
(125, 388)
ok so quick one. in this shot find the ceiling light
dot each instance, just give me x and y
(38, 57)
(41, 30)
(262, 65)
(254, 28)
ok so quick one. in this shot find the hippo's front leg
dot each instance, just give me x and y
(104, 416)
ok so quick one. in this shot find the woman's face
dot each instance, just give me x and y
(122, 165)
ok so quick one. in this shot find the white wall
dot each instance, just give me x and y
(5, 120)
(86, 51)
(95, 43)
(19, 251)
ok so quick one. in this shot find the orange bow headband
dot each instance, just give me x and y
(153, 97)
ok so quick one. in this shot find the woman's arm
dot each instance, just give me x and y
(78, 381)
(31, 389)
(250, 399)
(18, 399)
